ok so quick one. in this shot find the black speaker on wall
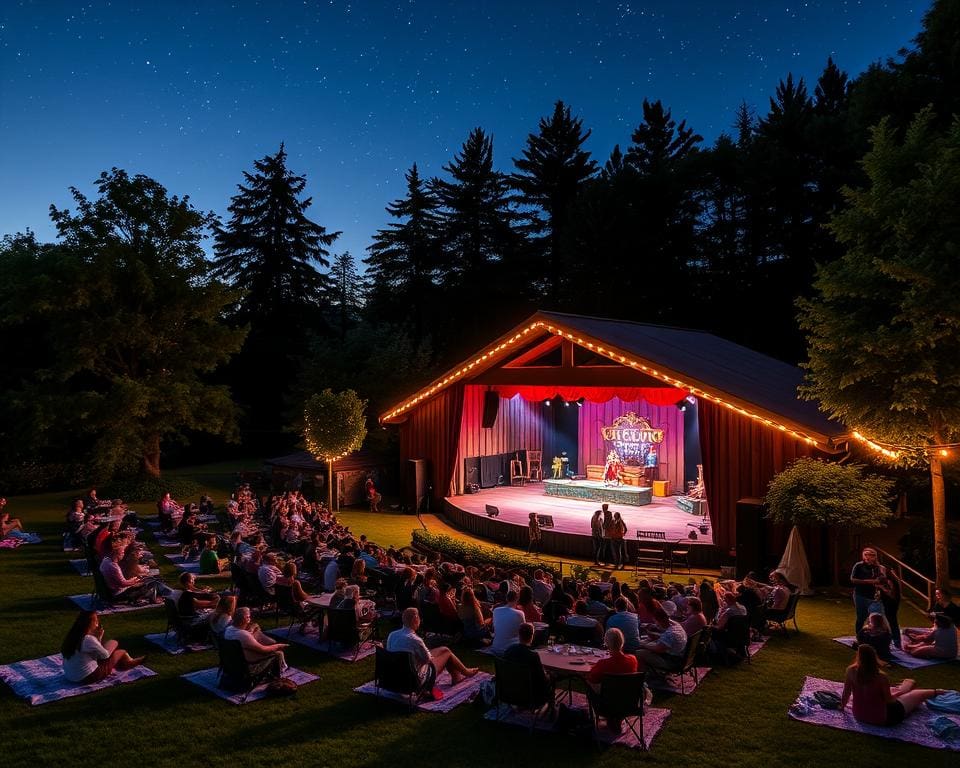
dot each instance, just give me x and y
(416, 486)
(491, 406)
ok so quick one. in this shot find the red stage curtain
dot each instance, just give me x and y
(653, 395)
(740, 457)
(432, 432)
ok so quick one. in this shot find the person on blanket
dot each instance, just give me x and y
(259, 650)
(937, 643)
(875, 701)
(407, 640)
(86, 658)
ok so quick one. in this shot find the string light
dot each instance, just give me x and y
(893, 451)
(618, 355)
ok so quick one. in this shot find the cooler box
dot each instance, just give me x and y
(661, 487)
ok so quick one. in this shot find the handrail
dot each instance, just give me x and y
(925, 594)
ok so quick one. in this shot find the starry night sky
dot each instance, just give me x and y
(191, 93)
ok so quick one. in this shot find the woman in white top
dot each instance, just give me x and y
(86, 658)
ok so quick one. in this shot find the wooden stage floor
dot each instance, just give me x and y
(572, 516)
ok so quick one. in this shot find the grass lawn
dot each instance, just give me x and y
(736, 718)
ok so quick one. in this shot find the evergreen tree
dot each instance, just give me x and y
(550, 176)
(347, 291)
(405, 258)
(270, 250)
(477, 233)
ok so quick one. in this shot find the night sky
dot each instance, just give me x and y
(191, 93)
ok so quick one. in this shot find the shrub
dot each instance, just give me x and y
(145, 488)
(475, 554)
(36, 476)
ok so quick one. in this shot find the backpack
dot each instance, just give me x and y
(282, 686)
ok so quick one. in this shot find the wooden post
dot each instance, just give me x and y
(330, 485)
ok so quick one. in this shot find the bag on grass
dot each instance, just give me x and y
(282, 686)
(827, 699)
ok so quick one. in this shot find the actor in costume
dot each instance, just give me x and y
(613, 469)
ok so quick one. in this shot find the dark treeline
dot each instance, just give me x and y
(664, 229)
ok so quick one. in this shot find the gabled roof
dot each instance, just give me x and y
(707, 366)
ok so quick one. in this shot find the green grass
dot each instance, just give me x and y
(736, 718)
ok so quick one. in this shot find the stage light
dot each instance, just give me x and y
(547, 403)
(580, 401)
(682, 405)
(566, 403)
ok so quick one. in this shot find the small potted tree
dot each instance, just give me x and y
(334, 424)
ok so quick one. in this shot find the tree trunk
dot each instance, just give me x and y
(330, 485)
(940, 531)
(150, 461)
(835, 541)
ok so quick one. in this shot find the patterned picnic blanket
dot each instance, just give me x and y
(40, 681)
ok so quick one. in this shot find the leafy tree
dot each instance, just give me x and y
(405, 257)
(884, 326)
(841, 496)
(131, 316)
(334, 424)
(271, 252)
(550, 176)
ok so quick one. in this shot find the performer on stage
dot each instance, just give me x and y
(613, 469)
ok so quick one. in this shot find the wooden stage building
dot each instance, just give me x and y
(650, 404)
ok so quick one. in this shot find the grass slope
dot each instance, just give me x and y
(737, 717)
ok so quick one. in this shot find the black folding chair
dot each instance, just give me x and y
(620, 700)
(515, 687)
(235, 675)
(397, 672)
(343, 629)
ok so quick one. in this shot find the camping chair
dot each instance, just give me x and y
(396, 671)
(736, 638)
(101, 592)
(287, 606)
(514, 686)
(433, 623)
(780, 618)
(175, 622)
(688, 662)
(235, 675)
(343, 629)
(620, 699)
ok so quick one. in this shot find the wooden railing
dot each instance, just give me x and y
(914, 585)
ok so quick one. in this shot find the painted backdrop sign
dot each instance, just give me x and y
(632, 437)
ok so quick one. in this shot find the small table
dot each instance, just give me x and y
(568, 666)
(320, 601)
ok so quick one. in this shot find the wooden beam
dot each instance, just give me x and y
(567, 353)
(601, 376)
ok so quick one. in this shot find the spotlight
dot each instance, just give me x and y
(580, 402)
(547, 403)
(566, 403)
(682, 405)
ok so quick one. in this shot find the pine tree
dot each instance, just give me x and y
(551, 174)
(347, 290)
(404, 259)
(269, 247)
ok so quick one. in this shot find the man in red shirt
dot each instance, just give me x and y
(617, 663)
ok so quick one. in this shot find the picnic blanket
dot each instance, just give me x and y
(80, 566)
(654, 719)
(453, 695)
(682, 685)
(10, 543)
(902, 658)
(207, 678)
(915, 729)
(167, 541)
(88, 602)
(312, 640)
(40, 681)
(193, 566)
(169, 643)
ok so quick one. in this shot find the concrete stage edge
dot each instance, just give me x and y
(570, 536)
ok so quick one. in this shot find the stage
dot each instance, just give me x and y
(570, 535)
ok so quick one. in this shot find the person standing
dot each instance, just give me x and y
(596, 531)
(618, 529)
(865, 577)
(533, 530)
(890, 597)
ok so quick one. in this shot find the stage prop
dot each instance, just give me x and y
(593, 491)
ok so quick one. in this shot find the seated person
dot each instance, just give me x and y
(288, 578)
(476, 626)
(875, 702)
(779, 594)
(617, 663)
(86, 658)
(440, 659)
(194, 604)
(875, 632)
(694, 621)
(261, 653)
(664, 654)
(628, 625)
(595, 605)
(364, 609)
(943, 603)
(268, 572)
(581, 618)
(522, 653)
(122, 589)
(525, 603)
(331, 573)
(339, 593)
(221, 616)
(448, 602)
(210, 562)
(507, 619)
(938, 643)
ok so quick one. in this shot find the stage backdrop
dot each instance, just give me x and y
(593, 449)
(518, 427)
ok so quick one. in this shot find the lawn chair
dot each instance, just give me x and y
(514, 686)
(780, 618)
(688, 662)
(287, 606)
(235, 675)
(343, 629)
(620, 700)
(397, 672)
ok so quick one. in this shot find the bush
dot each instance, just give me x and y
(917, 551)
(36, 477)
(145, 488)
(475, 554)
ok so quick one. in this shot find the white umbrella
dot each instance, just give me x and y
(794, 565)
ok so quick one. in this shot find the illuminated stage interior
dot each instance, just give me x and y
(572, 516)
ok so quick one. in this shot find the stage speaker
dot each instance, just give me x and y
(751, 536)
(416, 486)
(490, 469)
(491, 510)
(491, 406)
